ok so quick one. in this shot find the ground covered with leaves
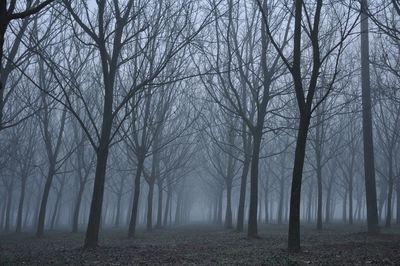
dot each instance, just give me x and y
(206, 245)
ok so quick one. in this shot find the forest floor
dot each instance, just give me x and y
(207, 245)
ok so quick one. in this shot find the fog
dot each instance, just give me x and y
(253, 117)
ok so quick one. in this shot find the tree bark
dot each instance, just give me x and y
(228, 214)
(390, 194)
(280, 206)
(294, 212)
(8, 208)
(166, 211)
(4, 21)
(220, 198)
(351, 200)
(266, 201)
(398, 201)
(369, 165)
(132, 223)
(56, 207)
(160, 203)
(252, 230)
(21, 203)
(319, 181)
(344, 213)
(149, 220)
(242, 195)
(75, 220)
(178, 210)
(328, 205)
(45, 196)
(93, 227)
(118, 212)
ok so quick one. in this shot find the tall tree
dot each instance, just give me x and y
(307, 82)
(369, 162)
(115, 31)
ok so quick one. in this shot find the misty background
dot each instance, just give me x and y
(161, 113)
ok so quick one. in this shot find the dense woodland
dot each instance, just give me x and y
(123, 114)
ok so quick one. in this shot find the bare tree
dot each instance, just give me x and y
(369, 165)
(8, 14)
(305, 91)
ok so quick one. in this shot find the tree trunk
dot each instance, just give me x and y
(57, 208)
(160, 203)
(328, 206)
(45, 196)
(220, 198)
(118, 213)
(266, 201)
(178, 209)
(3, 211)
(3, 28)
(252, 230)
(21, 204)
(149, 220)
(369, 167)
(215, 218)
(8, 209)
(167, 208)
(351, 200)
(27, 212)
(37, 208)
(132, 223)
(228, 214)
(390, 194)
(344, 208)
(280, 206)
(93, 227)
(310, 204)
(103, 220)
(242, 196)
(294, 212)
(398, 201)
(77, 207)
(319, 181)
